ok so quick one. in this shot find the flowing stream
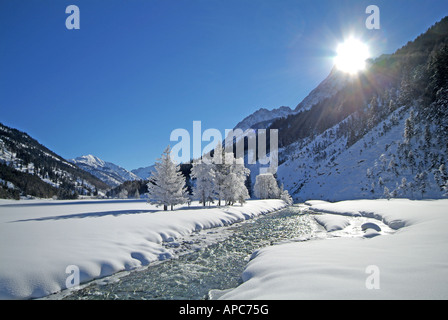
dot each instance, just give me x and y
(201, 266)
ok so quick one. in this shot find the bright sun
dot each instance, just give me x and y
(351, 56)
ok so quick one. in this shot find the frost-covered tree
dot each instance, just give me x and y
(167, 183)
(204, 188)
(266, 186)
(369, 173)
(427, 136)
(221, 170)
(123, 194)
(380, 181)
(285, 196)
(392, 166)
(386, 193)
(443, 175)
(383, 160)
(409, 128)
(421, 182)
(234, 187)
(411, 160)
(403, 187)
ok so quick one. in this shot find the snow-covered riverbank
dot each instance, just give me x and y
(411, 263)
(42, 240)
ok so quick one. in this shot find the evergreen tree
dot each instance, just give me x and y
(266, 187)
(411, 160)
(404, 186)
(221, 169)
(233, 188)
(443, 177)
(204, 174)
(409, 128)
(386, 193)
(285, 196)
(167, 184)
(421, 182)
(427, 137)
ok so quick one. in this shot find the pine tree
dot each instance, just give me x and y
(443, 177)
(427, 137)
(234, 182)
(167, 184)
(409, 128)
(411, 160)
(285, 196)
(421, 183)
(392, 166)
(266, 187)
(404, 186)
(204, 174)
(386, 193)
(221, 169)
(380, 182)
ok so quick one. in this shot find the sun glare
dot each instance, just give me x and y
(351, 56)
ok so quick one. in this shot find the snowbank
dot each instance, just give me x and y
(411, 263)
(40, 240)
(332, 222)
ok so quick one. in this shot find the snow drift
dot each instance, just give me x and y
(412, 263)
(39, 240)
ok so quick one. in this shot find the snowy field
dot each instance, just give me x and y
(410, 263)
(41, 242)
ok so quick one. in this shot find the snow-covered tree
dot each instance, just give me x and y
(404, 186)
(123, 194)
(409, 128)
(204, 188)
(386, 193)
(411, 160)
(221, 170)
(443, 175)
(285, 196)
(167, 184)
(234, 187)
(383, 160)
(392, 166)
(266, 186)
(421, 182)
(380, 181)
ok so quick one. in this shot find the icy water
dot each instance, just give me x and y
(200, 268)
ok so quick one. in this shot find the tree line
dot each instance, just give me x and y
(221, 177)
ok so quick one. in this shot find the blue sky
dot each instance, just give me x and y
(136, 70)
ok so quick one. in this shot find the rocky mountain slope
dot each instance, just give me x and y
(381, 133)
(28, 168)
(110, 173)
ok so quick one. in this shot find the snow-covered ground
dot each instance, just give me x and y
(42, 242)
(410, 263)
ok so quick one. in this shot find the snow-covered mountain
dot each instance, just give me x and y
(334, 83)
(380, 134)
(144, 172)
(110, 173)
(262, 118)
(27, 168)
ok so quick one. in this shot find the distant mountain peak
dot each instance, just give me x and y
(263, 117)
(108, 172)
(27, 168)
(90, 160)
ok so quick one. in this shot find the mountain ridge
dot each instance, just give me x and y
(28, 168)
(380, 134)
(110, 173)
